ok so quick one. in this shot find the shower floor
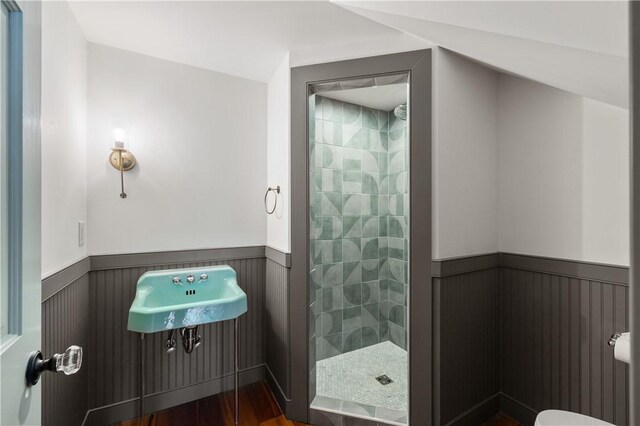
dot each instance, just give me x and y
(347, 384)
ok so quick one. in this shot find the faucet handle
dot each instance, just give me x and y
(177, 280)
(203, 277)
(190, 278)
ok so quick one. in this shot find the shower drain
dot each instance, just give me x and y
(384, 379)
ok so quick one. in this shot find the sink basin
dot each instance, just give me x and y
(167, 299)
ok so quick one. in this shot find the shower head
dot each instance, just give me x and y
(401, 112)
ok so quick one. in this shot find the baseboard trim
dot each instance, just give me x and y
(126, 410)
(479, 413)
(276, 389)
(517, 410)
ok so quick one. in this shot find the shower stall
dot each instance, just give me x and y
(366, 238)
(358, 183)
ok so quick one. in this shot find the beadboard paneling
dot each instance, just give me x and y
(65, 322)
(553, 343)
(277, 326)
(466, 342)
(115, 362)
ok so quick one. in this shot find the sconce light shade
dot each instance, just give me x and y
(119, 135)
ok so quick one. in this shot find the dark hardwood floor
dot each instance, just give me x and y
(502, 420)
(257, 408)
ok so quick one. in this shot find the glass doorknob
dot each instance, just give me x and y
(69, 363)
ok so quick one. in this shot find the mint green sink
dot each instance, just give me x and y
(179, 298)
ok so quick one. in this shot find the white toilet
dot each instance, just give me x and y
(567, 418)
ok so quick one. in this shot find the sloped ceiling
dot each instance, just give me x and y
(580, 47)
(247, 39)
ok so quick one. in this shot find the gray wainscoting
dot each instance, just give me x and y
(521, 334)
(92, 310)
(277, 319)
(466, 337)
(65, 322)
(555, 320)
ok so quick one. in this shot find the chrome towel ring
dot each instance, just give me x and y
(276, 191)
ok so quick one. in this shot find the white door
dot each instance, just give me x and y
(20, 210)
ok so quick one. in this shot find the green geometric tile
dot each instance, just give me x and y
(383, 162)
(396, 205)
(331, 227)
(331, 133)
(331, 251)
(351, 341)
(370, 183)
(331, 204)
(397, 140)
(332, 275)
(351, 204)
(369, 336)
(332, 299)
(351, 318)
(351, 136)
(351, 113)
(352, 272)
(370, 270)
(383, 120)
(352, 159)
(383, 187)
(383, 205)
(370, 226)
(370, 292)
(396, 248)
(384, 268)
(397, 162)
(370, 161)
(331, 322)
(352, 182)
(383, 226)
(331, 110)
(351, 250)
(369, 118)
(352, 295)
(383, 140)
(351, 226)
(317, 131)
(331, 180)
(396, 226)
(369, 139)
(332, 157)
(370, 248)
(331, 345)
(369, 205)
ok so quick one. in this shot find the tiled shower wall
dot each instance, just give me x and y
(358, 176)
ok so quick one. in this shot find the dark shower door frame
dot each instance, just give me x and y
(418, 65)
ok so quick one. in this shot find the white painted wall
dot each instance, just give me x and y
(200, 138)
(465, 157)
(564, 173)
(64, 137)
(279, 156)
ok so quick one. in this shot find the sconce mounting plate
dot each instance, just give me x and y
(128, 159)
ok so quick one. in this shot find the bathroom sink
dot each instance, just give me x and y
(179, 298)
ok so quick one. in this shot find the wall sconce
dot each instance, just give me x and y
(120, 158)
